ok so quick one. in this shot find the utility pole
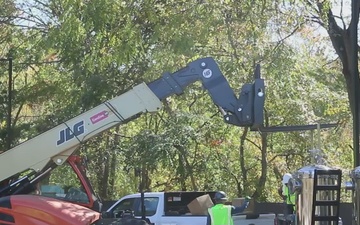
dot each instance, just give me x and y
(354, 71)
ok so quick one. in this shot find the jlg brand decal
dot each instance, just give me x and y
(99, 116)
(67, 134)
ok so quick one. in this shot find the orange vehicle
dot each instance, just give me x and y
(27, 195)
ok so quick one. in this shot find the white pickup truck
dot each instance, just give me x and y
(170, 208)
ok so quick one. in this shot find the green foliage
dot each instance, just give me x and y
(89, 51)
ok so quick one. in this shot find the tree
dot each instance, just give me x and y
(80, 53)
(341, 37)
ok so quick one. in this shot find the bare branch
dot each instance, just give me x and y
(315, 19)
(280, 42)
(252, 142)
(17, 115)
(318, 22)
(41, 3)
(40, 63)
(193, 102)
(22, 18)
(28, 27)
(342, 20)
(37, 18)
(285, 154)
(309, 3)
(341, 14)
(207, 122)
(331, 61)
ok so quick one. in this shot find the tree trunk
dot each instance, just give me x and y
(113, 161)
(341, 41)
(264, 163)
(187, 168)
(262, 180)
(239, 189)
(98, 168)
(242, 160)
(181, 172)
(105, 177)
(145, 179)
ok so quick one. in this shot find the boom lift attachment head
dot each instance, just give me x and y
(247, 110)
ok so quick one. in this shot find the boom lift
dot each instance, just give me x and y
(53, 148)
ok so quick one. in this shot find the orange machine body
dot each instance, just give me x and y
(40, 210)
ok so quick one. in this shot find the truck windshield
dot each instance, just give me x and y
(134, 204)
(63, 183)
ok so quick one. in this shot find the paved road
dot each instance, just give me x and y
(264, 219)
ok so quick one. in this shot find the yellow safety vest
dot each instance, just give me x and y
(290, 198)
(220, 214)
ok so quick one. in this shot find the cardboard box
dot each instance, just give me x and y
(239, 201)
(200, 205)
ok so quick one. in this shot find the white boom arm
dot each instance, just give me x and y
(60, 142)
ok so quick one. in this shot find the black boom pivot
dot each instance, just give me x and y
(245, 111)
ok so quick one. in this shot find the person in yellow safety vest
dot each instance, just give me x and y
(221, 214)
(288, 197)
